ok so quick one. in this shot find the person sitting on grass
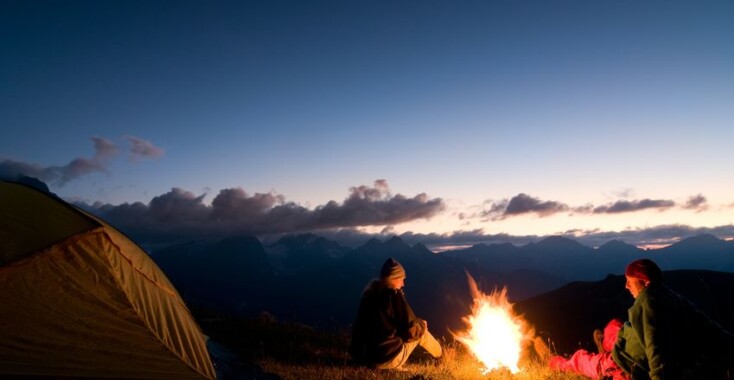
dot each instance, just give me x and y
(386, 331)
(666, 337)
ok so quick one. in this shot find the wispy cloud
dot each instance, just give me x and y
(141, 149)
(61, 174)
(104, 151)
(697, 203)
(624, 206)
(76, 168)
(523, 204)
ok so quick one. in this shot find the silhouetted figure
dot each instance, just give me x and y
(386, 331)
(666, 337)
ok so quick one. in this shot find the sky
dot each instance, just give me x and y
(454, 122)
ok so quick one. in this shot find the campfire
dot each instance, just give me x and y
(495, 334)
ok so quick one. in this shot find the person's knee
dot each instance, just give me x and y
(430, 344)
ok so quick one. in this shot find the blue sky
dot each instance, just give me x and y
(482, 118)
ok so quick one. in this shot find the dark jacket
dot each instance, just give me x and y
(668, 338)
(384, 322)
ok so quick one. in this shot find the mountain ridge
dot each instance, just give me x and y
(316, 281)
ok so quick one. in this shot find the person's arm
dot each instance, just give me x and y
(646, 323)
(416, 330)
(414, 327)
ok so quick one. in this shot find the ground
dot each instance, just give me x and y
(293, 351)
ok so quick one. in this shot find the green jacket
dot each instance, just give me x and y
(384, 323)
(667, 338)
(629, 354)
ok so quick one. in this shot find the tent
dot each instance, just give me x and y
(79, 299)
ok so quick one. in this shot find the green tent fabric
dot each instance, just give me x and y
(79, 299)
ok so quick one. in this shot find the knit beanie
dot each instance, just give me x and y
(644, 269)
(392, 270)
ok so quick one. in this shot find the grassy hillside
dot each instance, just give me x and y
(292, 351)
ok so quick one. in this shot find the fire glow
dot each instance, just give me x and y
(495, 334)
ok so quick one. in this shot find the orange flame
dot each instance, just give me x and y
(495, 334)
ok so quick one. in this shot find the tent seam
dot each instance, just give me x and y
(101, 231)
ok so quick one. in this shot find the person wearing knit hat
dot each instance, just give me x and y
(392, 269)
(644, 269)
(386, 330)
(666, 337)
(640, 274)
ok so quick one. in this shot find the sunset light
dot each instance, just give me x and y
(328, 171)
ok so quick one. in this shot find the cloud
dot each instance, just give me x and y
(177, 205)
(234, 204)
(77, 168)
(641, 237)
(104, 151)
(371, 206)
(466, 238)
(140, 149)
(624, 206)
(523, 204)
(180, 214)
(353, 237)
(697, 203)
(624, 193)
(658, 235)
(10, 169)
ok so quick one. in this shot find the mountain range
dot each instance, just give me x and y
(312, 280)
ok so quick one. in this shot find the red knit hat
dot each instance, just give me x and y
(644, 269)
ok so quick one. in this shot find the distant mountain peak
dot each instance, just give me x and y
(372, 243)
(307, 240)
(299, 238)
(395, 241)
(392, 243)
(616, 244)
(421, 246)
(700, 240)
(559, 242)
(241, 244)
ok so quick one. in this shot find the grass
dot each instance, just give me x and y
(459, 368)
(294, 351)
